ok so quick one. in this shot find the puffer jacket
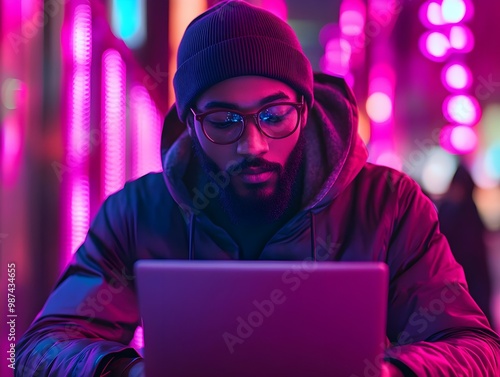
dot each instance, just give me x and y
(351, 211)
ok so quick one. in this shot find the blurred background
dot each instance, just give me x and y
(85, 84)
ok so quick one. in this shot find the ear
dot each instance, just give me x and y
(190, 125)
(304, 116)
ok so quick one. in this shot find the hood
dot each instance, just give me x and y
(334, 153)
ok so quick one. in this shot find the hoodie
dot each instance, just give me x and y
(351, 211)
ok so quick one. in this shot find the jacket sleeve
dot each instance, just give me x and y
(92, 313)
(434, 326)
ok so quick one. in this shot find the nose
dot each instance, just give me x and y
(253, 142)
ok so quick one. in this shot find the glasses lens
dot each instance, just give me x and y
(223, 126)
(279, 121)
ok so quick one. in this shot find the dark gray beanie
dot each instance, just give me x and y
(234, 38)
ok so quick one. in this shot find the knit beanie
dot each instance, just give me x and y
(234, 38)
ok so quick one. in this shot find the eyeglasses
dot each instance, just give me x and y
(276, 120)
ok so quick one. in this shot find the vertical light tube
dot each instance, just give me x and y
(114, 125)
(181, 13)
(146, 128)
(128, 21)
(76, 192)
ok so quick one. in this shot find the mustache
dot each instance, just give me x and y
(256, 162)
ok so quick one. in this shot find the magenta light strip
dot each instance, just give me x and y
(78, 129)
(114, 125)
(146, 124)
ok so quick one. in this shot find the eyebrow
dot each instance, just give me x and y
(227, 105)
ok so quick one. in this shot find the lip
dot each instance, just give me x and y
(254, 176)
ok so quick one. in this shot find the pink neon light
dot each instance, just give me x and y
(464, 139)
(379, 107)
(80, 212)
(82, 36)
(461, 109)
(114, 124)
(147, 125)
(352, 23)
(352, 17)
(437, 44)
(433, 14)
(77, 191)
(337, 57)
(456, 77)
(461, 39)
(458, 139)
(453, 11)
(11, 139)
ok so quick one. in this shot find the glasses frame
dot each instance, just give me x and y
(299, 106)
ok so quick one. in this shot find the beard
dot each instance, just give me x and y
(258, 205)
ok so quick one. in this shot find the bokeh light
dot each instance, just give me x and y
(453, 11)
(456, 77)
(492, 161)
(337, 57)
(435, 45)
(379, 107)
(461, 109)
(461, 39)
(458, 139)
(438, 171)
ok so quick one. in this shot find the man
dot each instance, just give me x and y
(263, 164)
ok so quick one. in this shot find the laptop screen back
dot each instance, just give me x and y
(262, 318)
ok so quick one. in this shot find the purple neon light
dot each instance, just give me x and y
(146, 124)
(77, 148)
(461, 109)
(461, 39)
(458, 139)
(453, 11)
(114, 125)
(352, 17)
(456, 77)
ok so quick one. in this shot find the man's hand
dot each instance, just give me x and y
(137, 370)
(389, 370)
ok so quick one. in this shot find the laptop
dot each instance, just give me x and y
(262, 318)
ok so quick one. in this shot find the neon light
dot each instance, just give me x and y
(76, 162)
(461, 109)
(147, 127)
(461, 39)
(337, 57)
(456, 77)
(433, 14)
(437, 44)
(352, 22)
(10, 148)
(453, 11)
(114, 125)
(181, 13)
(128, 21)
(379, 107)
(463, 139)
(79, 209)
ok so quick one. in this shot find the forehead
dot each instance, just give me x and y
(246, 92)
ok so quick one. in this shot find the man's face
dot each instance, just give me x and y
(260, 168)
